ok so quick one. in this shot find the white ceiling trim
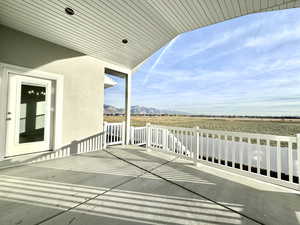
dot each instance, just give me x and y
(98, 26)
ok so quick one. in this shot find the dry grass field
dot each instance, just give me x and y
(262, 126)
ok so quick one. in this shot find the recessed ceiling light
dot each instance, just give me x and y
(124, 41)
(69, 11)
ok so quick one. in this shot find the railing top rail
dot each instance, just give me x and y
(173, 128)
(232, 133)
(250, 135)
(139, 128)
(118, 123)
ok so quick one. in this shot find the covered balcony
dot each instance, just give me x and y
(62, 164)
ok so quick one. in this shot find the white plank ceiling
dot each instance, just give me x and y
(98, 26)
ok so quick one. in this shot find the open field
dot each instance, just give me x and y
(262, 126)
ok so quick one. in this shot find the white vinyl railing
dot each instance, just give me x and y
(89, 144)
(270, 158)
(115, 133)
(138, 135)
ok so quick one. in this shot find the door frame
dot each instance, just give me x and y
(5, 69)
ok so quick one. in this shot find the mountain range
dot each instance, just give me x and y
(136, 109)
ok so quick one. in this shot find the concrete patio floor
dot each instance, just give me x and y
(128, 185)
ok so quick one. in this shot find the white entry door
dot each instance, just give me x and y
(28, 115)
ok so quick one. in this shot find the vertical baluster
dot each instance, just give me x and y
(172, 140)
(140, 135)
(132, 135)
(226, 149)
(181, 142)
(154, 137)
(213, 147)
(161, 138)
(298, 157)
(117, 133)
(233, 151)
(186, 142)
(249, 151)
(97, 143)
(241, 150)
(219, 148)
(157, 137)
(268, 157)
(290, 159)
(190, 142)
(176, 140)
(207, 146)
(167, 139)
(101, 142)
(258, 147)
(109, 133)
(114, 133)
(201, 145)
(90, 144)
(94, 143)
(120, 132)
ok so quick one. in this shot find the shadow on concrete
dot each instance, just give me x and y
(264, 202)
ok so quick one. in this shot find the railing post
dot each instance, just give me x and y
(165, 139)
(298, 159)
(148, 136)
(195, 151)
(123, 132)
(104, 135)
(132, 135)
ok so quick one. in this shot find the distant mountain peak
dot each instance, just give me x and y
(137, 109)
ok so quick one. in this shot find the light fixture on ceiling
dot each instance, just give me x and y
(69, 11)
(124, 41)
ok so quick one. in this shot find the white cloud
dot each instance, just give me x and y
(157, 61)
(272, 38)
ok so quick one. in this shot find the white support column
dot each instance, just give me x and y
(128, 107)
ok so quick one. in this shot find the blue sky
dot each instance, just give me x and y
(245, 66)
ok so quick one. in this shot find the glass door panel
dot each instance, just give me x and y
(32, 113)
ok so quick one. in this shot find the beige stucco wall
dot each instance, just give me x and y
(83, 79)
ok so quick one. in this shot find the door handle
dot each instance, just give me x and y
(8, 113)
(7, 119)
